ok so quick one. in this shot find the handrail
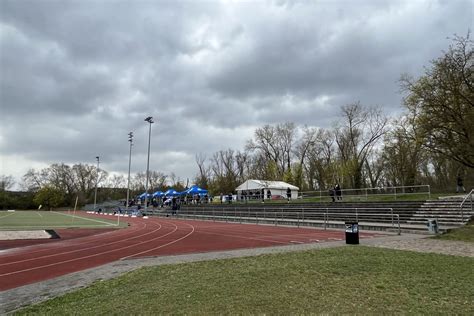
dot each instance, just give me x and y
(276, 215)
(374, 191)
(464, 201)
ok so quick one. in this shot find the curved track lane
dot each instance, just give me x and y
(144, 238)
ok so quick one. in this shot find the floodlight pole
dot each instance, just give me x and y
(96, 181)
(150, 121)
(130, 139)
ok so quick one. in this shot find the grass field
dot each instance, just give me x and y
(36, 220)
(464, 233)
(346, 280)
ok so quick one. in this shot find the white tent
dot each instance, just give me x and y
(277, 188)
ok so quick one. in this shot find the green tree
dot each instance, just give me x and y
(49, 197)
(403, 153)
(443, 103)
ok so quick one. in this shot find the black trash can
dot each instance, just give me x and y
(352, 233)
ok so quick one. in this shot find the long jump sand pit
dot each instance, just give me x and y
(25, 234)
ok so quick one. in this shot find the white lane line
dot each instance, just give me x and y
(67, 243)
(243, 237)
(82, 249)
(85, 218)
(161, 246)
(9, 214)
(86, 257)
(238, 230)
(50, 226)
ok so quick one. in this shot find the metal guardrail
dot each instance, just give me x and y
(464, 201)
(365, 193)
(299, 216)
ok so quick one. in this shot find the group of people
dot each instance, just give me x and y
(335, 193)
(257, 195)
(261, 195)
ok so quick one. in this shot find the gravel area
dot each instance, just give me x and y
(30, 294)
(24, 234)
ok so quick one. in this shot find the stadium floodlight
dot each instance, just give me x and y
(150, 121)
(96, 181)
(130, 139)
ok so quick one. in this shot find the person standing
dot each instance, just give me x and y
(331, 194)
(460, 184)
(288, 194)
(338, 191)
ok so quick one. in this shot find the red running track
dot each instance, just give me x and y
(145, 238)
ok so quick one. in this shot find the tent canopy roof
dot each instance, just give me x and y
(263, 184)
(195, 190)
(172, 192)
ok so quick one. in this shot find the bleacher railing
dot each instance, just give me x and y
(300, 216)
(367, 193)
(466, 199)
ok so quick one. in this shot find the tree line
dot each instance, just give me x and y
(431, 142)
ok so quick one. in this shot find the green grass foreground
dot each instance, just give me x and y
(464, 233)
(37, 220)
(345, 280)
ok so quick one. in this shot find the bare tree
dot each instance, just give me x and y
(138, 182)
(275, 144)
(320, 165)
(356, 137)
(303, 146)
(157, 180)
(204, 176)
(84, 178)
(116, 181)
(224, 170)
(6, 182)
(176, 182)
(286, 138)
(34, 180)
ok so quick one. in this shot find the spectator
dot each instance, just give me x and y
(288, 194)
(269, 194)
(338, 191)
(331, 194)
(460, 184)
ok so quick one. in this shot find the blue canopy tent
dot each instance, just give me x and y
(196, 190)
(158, 194)
(142, 196)
(172, 192)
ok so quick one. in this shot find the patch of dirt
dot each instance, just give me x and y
(61, 234)
(23, 234)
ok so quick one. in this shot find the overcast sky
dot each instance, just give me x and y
(77, 76)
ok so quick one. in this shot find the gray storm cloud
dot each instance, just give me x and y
(77, 76)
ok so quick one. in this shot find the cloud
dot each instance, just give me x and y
(77, 76)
